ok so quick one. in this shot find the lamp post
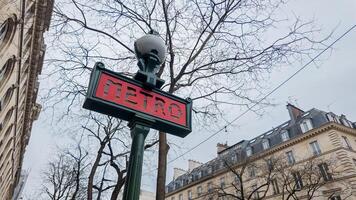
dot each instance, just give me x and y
(150, 51)
(140, 102)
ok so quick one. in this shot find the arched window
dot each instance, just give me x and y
(7, 97)
(8, 117)
(6, 70)
(6, 30)
(8, 131)
(3, 30)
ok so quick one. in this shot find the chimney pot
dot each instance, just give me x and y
(192, 164)
(221, 147)
(294, 112)
(178, 172)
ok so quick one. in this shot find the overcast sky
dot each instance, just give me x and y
(329, 85)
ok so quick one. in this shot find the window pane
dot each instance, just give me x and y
(346, 142)
(285, 136)
(248, 151)
(324, 171)
(181, 197)
(306, 125)
(315, 148)
(275, 186)
(199, 190)
(222, 182)
(190, 195)
(265, 144)
(290, 157)
(298, 180)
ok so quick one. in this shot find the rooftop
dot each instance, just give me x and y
(300, 123)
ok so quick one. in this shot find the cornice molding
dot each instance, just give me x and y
(314, 132)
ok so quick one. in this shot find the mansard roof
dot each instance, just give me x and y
(237, 152)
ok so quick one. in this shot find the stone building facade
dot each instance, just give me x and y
(22, 49)
(313, 151)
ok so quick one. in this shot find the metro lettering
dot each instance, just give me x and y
(131, 96)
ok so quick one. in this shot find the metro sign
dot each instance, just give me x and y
(116, 95)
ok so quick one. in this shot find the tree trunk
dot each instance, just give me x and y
(93, 171)
(162, 166)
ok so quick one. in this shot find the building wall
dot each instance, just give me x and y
(340, 158)
(23, 23)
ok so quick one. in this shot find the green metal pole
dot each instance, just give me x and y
(133, 178)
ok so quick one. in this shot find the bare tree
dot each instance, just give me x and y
(276, 176)
(219, 52)
(93, 175)
(65, 177)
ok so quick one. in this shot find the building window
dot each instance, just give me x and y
(7, 96)
(306, 125)
(237, 179)
(265, 144)
(199, 191)
(5, 71)
(315, 148)
(190, 196)
(210, 187)
(290, 157)
(8, 131)
(180, 197)
(297, 180)
(324, 171)
(346, 142)
(270, 166)
(335, 197)
(6, 30)
(222, 182)
(345, 122)
(200, 174)
(248, 151)
(330, 117)
(252, 171)
(210, 169)
(8, 117)
(255, 192)
(275, 186)
(285, 135)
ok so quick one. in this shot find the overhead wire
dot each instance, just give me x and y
(262, 99)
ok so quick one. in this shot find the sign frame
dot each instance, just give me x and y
(92, 102)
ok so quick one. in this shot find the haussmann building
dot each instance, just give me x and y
(22, 49)
(311, 156)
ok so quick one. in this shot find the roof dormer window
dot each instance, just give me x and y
(306, 125)
(285, 135)
(248, 151)
(333, 118)
(265, 144)
(345, 122)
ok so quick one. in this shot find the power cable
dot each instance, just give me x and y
(269, 94)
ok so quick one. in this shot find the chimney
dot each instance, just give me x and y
(221, 147)
(294, 112)
(178, 172)
(192, 164)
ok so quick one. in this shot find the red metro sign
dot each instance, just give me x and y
(116, 95)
